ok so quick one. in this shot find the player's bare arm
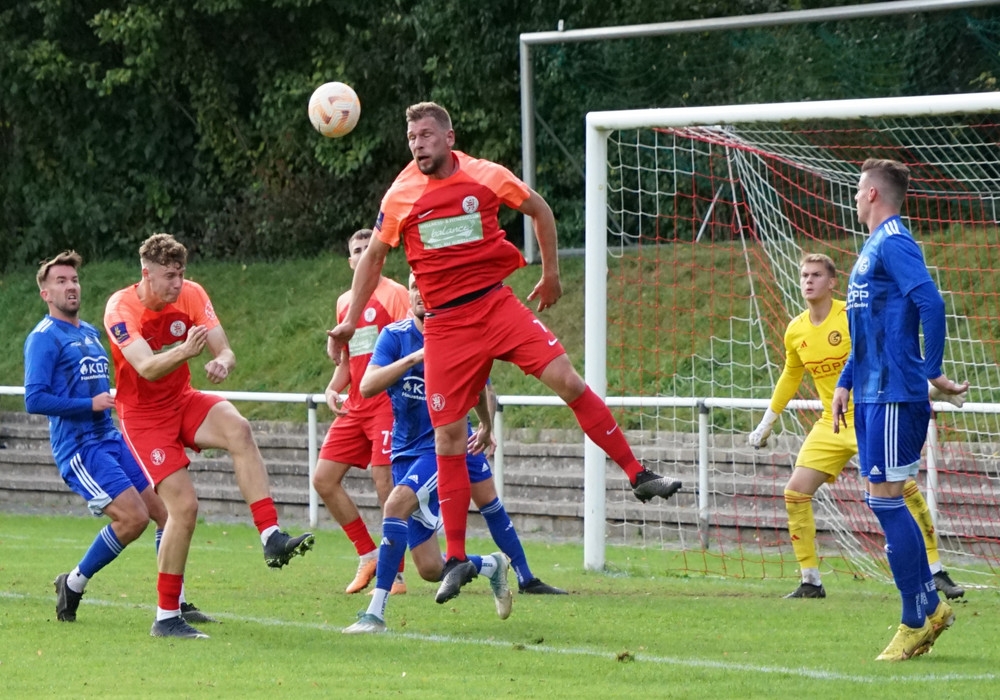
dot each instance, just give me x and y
(377, 379)
(838, 407)
(338, 382)
(482, 438)
(223, 359)
(366, 277)
(152, 366)
(549, 288)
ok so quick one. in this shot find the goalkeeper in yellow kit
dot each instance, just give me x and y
(817, 341)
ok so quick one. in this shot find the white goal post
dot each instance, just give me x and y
(609, 237)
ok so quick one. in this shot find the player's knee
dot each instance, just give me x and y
(132, 524)
(328, 477)
(402, 502)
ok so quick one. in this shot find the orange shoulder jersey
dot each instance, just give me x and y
(126, 319)
(389, 302)
(449, 228)
(820, 350)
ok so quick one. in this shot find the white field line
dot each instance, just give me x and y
(725, 666)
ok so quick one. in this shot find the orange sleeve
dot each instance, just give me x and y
(194, 301)
(397, 203)
(123, 320)
(394, 298)
(511, 190)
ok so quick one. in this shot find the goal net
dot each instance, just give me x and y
(696, 222)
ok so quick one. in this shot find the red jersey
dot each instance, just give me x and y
(126, 319)
(389, 302)
(449, 228)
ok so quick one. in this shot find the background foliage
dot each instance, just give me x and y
(121, 118)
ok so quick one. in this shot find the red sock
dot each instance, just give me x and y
(264, 513)
(454, 494)
(600, 426)
(168, 591)
(357, 532)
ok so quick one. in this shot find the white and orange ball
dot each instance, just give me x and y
(334, 109)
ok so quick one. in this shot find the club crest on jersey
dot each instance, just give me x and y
(863, 264)
(834, 338)
(158, 456)
(177, 328)
(437, 402)
(470, 205)
(369, 315)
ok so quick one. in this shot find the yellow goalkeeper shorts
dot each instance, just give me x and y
(826, 451)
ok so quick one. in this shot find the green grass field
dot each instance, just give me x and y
(640, 632)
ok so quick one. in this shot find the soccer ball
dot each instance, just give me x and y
(334, 109)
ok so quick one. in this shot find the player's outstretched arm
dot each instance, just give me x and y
(377, 379)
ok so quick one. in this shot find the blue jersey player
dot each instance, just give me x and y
(66, 378)
(890, 297)
(411, 514)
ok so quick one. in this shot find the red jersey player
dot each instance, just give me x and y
(361, 433)
(155, 327)
(443, 208)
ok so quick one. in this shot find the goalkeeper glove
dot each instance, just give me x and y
(758, 438)
(935, 394)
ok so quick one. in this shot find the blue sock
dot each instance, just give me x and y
(504, 534)
(907, 556)
(390, 552)
(102, 552)
(159, 536)
(477, 561)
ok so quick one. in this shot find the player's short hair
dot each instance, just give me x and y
(362, 234)
(825, 260)
(67, 257)
(163, 249)
(415, 113)
(891, 176)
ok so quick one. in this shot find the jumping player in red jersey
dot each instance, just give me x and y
(155, 327)
(361, 433)
(443, 208)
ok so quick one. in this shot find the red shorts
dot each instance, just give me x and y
(461, 343)
(360, 440)
(158, 437)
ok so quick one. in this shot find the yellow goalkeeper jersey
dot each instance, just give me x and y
(820, 350)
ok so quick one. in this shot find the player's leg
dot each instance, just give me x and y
(917, 506)
(600, 426)
(521, 338)
(484, 495)
(404, 500)
(96, 475)
(378, 429)
(208, 422)
(455, 494)
(181, 501)
(799, 492)
(890, 438)
(823, 456)
(347, 443)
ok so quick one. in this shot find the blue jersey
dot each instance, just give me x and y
(65, 366)
(412, 432)
(889, 295)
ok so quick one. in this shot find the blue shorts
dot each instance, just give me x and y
(891, 437)
(420, 474)
(102, 471)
